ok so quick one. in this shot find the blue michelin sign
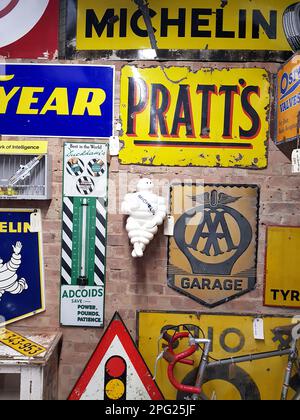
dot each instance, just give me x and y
(56, 100)
(21, 267)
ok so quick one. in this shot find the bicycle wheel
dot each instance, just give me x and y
(242, 381)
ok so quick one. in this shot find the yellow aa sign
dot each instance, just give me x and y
(231, 336)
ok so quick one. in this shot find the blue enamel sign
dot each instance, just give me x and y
(47, 100)
(21, 267)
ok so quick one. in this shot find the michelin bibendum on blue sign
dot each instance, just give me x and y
(56, 100)
(21, 265)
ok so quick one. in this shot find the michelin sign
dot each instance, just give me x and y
(21, 265)
(56, 100)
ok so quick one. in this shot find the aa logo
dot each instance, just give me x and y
(213, 251)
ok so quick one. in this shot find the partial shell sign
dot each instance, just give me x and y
(29, 28)
(178, 117)
(212, 255)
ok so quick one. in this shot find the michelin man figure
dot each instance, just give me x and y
(146, 212)
(9, 281)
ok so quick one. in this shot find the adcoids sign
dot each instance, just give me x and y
(179, 117)
(209, 25)
(56, 100)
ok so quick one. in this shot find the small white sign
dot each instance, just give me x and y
(114, 145)
(258, 329)
(296, 161)
(169, 226)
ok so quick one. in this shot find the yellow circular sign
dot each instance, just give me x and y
(115, 389)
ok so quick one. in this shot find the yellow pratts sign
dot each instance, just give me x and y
(282, 286)
(191, 25)
(23, 147)
(20, 344)
(231, 336)
(288, 100)
(178, 117)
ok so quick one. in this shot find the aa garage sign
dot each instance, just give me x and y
(177, 117)
(212, 255)
(203, 29)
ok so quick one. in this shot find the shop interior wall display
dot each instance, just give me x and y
(131, 286)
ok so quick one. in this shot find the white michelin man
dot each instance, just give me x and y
(146, 211)
(9, 281)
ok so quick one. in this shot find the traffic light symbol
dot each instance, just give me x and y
(115, 379)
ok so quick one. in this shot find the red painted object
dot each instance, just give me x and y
(181, 358)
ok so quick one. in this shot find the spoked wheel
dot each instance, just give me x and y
(243, 382)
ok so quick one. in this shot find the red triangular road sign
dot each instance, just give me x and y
(116, 370)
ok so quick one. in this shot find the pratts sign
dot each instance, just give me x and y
(208, 25)
(56, 100)
(175, 116)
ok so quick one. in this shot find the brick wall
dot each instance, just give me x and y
(141, 284)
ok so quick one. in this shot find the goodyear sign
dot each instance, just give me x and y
(178, 117)
(231, 336)
(211, 25)
(288, 101)
(212, 255)
(56, 100)
(21, 265)
(282, 286)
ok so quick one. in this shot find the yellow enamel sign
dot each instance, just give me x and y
(20, 344)
(178, 117)
(282, 286)
(231, 336)
(288, 100)
(191, 25)
(23, 147)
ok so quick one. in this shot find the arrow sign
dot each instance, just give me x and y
(116, 370)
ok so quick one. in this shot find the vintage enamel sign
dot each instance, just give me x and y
(212, 255)
(288, 101)
(29, 28)
(21, 265)
(282, 286)
(116, 370)
(84, 234)
(56, 100)
(232, 335)
(20, 344)
(179, 117)
(182, 30)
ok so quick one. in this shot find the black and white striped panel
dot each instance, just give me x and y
(85, 185)
(100, 242)
(96, 167)
(67, 235)
(75, 167)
